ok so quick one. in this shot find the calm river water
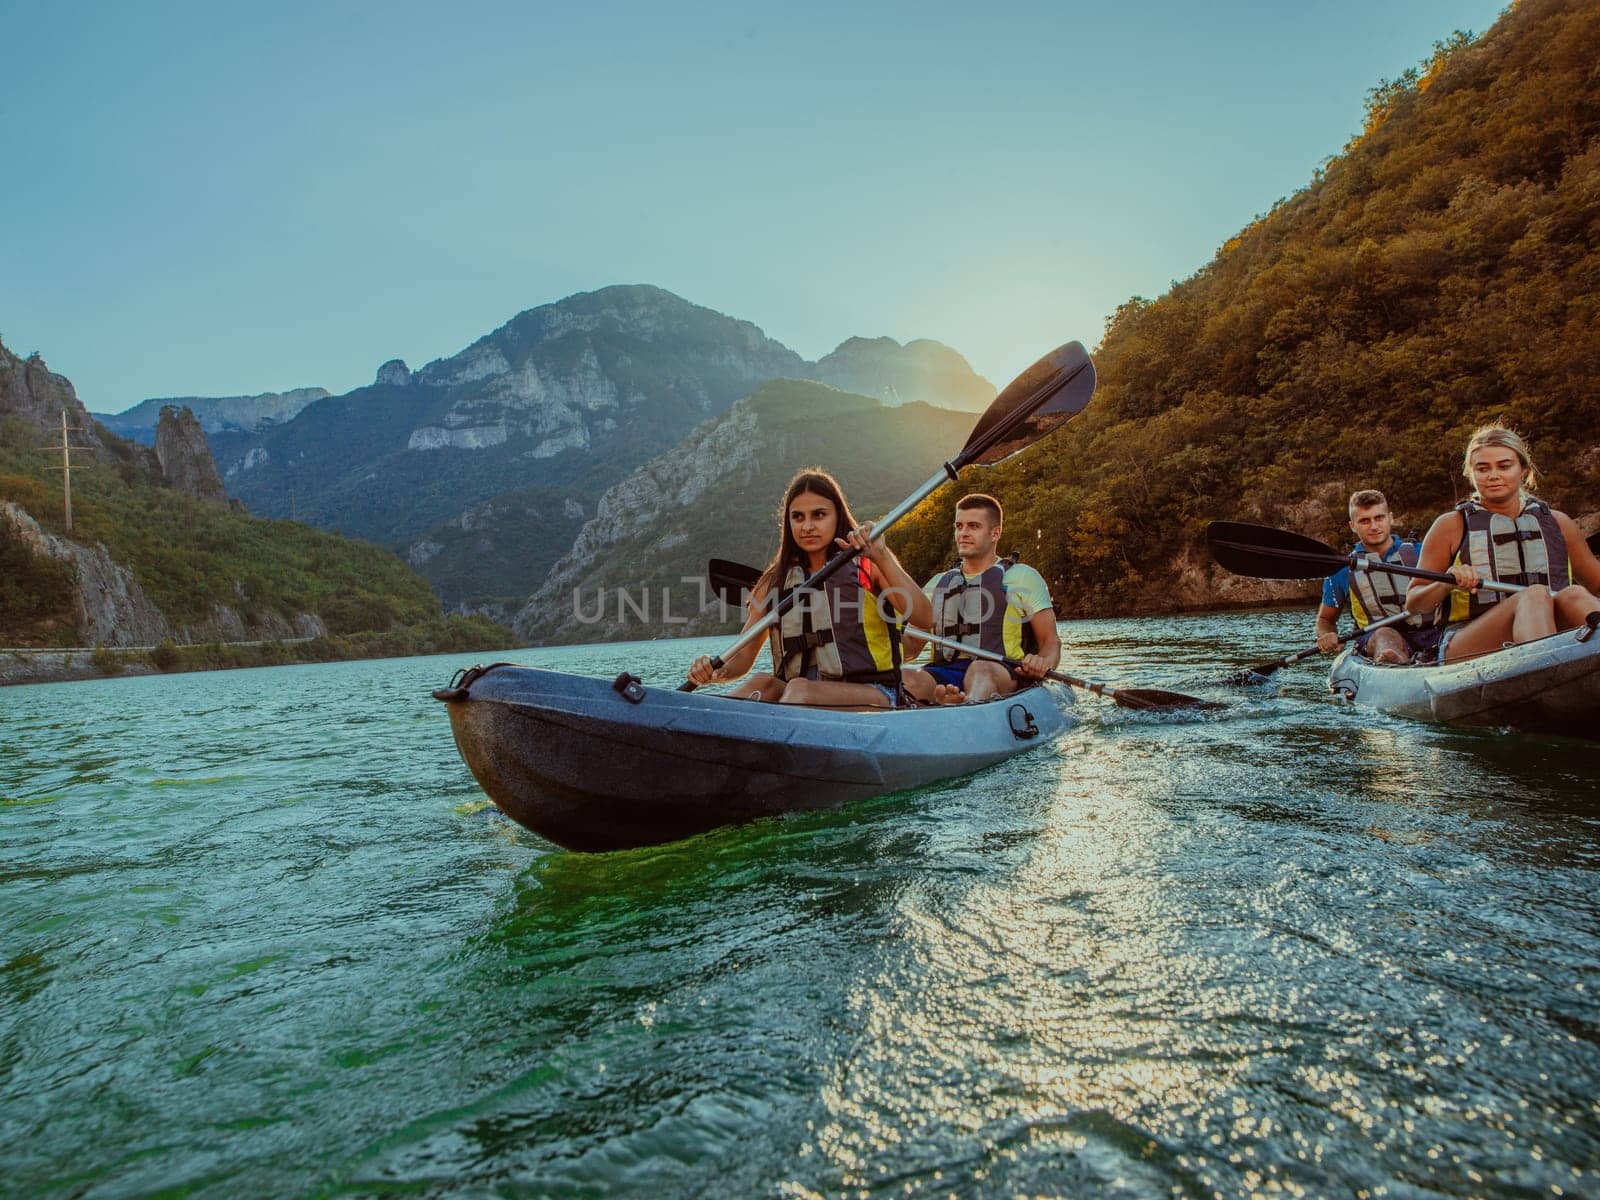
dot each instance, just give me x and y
(261, 934)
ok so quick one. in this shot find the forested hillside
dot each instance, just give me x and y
(144, 563)
(1443, 270)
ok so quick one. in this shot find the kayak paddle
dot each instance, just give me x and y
(1262, 552)
(731, 580)
(1036, 403)
(1264, 671)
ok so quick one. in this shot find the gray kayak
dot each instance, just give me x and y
(1551, 685)
(596, 764)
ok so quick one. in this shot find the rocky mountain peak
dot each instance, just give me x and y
(31, 390)
(185, 456)
(394, 373)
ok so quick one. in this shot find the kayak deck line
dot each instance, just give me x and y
(589, 768)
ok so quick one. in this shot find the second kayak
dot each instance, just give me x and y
(1551, 685)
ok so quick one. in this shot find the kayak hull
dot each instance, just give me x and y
(579, 763)
(1551, 685)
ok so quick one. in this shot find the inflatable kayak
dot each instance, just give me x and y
(596, 764)
(1547, 686)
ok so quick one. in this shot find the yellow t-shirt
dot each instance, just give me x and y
(1027, 594)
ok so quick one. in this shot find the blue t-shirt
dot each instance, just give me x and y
(1336, 587)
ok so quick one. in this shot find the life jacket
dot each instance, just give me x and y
(840, 630)
(973, 611)
(1375, 595)
(1527, 549)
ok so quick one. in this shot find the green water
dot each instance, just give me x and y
(261, 934)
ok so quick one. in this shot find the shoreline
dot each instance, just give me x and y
(22, 666)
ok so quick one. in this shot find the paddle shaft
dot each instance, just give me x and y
(1343, 638)
(1127, 697)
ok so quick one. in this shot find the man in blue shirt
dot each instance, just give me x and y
(1373, 595)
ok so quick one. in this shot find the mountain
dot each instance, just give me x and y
(488, 558)
(472, 466)
(718, 494)
(1442, 271)
(568, 396)
(216, 414)
(155, 552)
(920, 370)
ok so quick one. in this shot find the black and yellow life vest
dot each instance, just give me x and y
(1375, 595)
(973, 611)
(840, 630)
(1528, 549)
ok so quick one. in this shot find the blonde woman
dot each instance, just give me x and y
(1505, 533)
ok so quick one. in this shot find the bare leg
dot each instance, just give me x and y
(1520, 618)
(833, 695)
(759, 687)
(986, 680)
(919, 686)
(1387, 646)
(1573, 606)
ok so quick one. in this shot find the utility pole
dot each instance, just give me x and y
(66, 463)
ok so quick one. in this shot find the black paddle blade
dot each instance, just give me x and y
(1044, 397)
(1261, 552)
(731, 581)
(1151, 699)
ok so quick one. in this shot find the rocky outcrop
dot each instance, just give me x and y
(31, 390)
(185, 456)
(111, 609)
(394, 373)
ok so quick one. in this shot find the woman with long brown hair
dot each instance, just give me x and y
(839, 645)
(1506, 534)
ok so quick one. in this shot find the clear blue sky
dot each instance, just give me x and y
(202, 200)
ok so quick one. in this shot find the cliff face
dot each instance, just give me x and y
(32, 391)
(110, 608)
(185, 456)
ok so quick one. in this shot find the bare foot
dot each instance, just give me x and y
(948, 693)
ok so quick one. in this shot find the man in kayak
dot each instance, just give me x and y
(1374, 595)
(985, 601)
(1506, 534)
